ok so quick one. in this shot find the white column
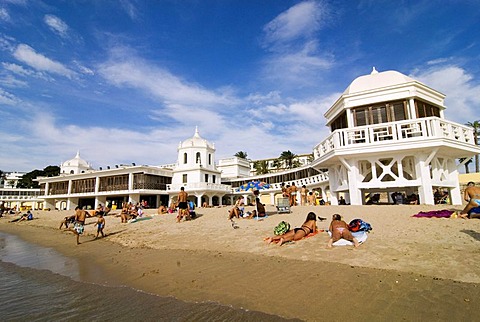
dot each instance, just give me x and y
(455, 193)
(411, 109)
(199, 200)
(425, 193)
(355, 195)
(272, 198)
(130, 181)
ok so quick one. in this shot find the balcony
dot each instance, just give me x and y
(200, 186)
(400, 134)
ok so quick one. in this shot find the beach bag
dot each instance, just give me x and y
(281, 228)
(359, 225)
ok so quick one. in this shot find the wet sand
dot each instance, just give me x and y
(408, 269)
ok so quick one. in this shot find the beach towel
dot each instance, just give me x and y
(131, 221)
(360, 236)
(434, 214)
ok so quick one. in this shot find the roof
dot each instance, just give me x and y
(76, 162)
(377, 80)
(196, 141)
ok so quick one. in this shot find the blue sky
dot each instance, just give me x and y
(125, 81)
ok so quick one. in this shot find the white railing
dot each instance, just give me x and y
(199, 186)
(394, 132)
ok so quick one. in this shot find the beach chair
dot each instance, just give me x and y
(283, 205)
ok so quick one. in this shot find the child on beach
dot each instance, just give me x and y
(339, 229)
(100, 225)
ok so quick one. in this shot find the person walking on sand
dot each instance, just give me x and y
(182, 204)
(339, 229)
(79, 225)
(293, 195)
(472, 196)
(100, 225)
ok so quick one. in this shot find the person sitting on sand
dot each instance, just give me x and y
(237, 209)
(260, 208)
(308, 227)
(100, 225)
(162, 210)
(339, 229)
(472, 196)
(27, 216)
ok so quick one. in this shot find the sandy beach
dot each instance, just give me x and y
(408, 269)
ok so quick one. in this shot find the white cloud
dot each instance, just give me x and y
(296, 58)
(27, 55)
(301, 20)
(160, 83)
(7, 98)
(4, 15)
(130, 9)
(12, 82)
(57, 25)
(461, 89)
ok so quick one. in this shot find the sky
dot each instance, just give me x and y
(125, 81)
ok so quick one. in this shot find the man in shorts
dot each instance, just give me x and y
(472, 196)
(79, 225)
(182, 205)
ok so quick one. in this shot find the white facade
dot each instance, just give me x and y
(196, 171)
(234, 167)
(389, 135)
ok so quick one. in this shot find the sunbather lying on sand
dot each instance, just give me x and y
(308, 227)
(339, 229)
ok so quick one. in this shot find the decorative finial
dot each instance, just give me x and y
(78, 154)
(374, 71)
(196, 132)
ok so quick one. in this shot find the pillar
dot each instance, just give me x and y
(425, 193)
(272, 198)
(355, 195)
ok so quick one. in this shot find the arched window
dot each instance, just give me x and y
(72, 172)
(198, 159)
(209, 159)
(185, 158)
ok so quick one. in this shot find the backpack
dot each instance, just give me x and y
(359, 225)
(281, 228)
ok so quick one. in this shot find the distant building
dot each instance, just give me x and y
(388, 135)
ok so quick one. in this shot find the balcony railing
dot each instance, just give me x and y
(200, 186)
(394, 132)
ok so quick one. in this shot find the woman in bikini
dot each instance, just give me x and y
(308, 227)
(339, 229)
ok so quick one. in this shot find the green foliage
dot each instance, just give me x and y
(288, 158)
(261, 167)
(476, 133)
(241, 154)
(27, 179)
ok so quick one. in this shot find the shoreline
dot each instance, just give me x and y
(248, 274)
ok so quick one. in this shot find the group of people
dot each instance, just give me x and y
(338, 228)
(78, 220)
(131, 211)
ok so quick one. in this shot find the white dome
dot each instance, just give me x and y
(75, 165)
(196, 141)
(377, 80)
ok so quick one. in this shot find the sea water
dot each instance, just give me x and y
(39, 284)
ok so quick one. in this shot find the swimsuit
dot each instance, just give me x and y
(306, 229)
(79, 227)
(100, 227)
(477, 201)
(182, 205)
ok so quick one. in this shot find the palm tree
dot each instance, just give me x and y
(241, 154)
(476, 132)
(261, 167)
(288, 157)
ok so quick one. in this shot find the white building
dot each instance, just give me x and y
(389, 135)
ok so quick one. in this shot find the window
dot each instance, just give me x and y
(426, 110)
(184, 178)
(197, 158)
(380, 113)
(185, 158)
(206, 177)
(214, 178)
(209, 159)
(340, 122)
